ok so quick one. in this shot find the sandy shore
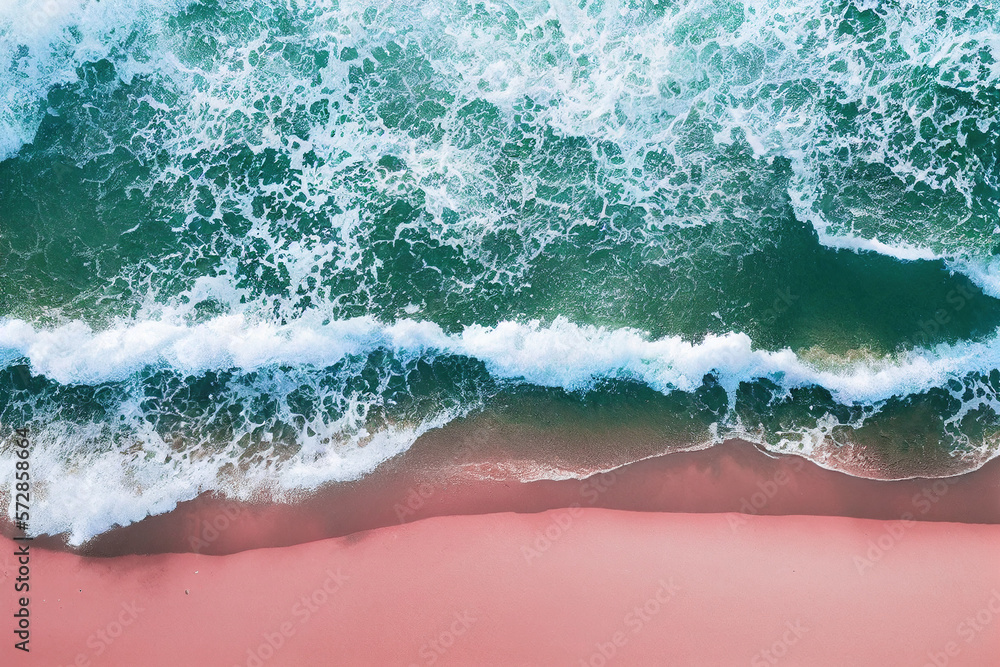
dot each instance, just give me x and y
(582, 587)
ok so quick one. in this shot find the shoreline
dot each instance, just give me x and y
(735, 477)
(579, 588)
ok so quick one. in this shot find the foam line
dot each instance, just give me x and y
(561, 354)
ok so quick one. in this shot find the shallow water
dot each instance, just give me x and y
(270, 247)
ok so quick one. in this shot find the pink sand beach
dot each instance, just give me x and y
(564, 587)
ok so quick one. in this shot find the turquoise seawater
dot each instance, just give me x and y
(268, 243)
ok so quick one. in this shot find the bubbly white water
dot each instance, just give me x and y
(637, 78)
(42, 42)
(562, 354)
(685, 84)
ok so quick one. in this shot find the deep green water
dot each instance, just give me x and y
(274, 241)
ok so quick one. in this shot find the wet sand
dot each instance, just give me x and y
(733, 477)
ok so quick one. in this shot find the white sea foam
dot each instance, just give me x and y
(561, 354)
(43, 42)
(634, 79)
(95, 491)
(620, 96)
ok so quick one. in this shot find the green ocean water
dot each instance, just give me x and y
(269, 243)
